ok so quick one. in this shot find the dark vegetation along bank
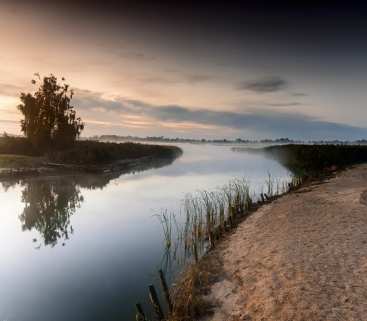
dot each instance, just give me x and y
(314, 160)
(211, 216)
(21, 157)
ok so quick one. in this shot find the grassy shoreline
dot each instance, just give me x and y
(312, 160)
(191, 286)
(19, 159)
(313, 163)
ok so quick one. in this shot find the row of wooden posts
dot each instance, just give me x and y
(154, 300)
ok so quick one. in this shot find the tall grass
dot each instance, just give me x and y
(167, 219)
(207, 215)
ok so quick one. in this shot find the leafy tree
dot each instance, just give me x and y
(49, 118)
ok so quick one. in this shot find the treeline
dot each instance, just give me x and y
(282, 140)
(312, 159)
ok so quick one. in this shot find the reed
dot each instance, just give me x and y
(166, 219)
(208, 214)
(269, 182)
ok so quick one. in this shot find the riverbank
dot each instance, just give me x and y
(301, 257)
(312, 159)
(84, 157)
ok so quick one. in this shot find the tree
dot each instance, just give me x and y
(49, 118)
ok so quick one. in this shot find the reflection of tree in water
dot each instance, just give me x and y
(49, 204)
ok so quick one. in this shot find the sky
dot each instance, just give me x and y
(250, 69)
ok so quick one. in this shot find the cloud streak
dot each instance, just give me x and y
(299, 94)
(285, 104)
(177, 78)
(262, 123)
(264, 85)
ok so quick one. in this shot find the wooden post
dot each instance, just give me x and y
(195, 249)
(165, 289)
(155, 302)
(262, 198)
(211, 240)
(140, 315)
(230, 221)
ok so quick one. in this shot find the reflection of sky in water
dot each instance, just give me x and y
(116, 248)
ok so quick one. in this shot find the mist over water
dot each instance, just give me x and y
(85, 247)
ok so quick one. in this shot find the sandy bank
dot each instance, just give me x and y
(302, 257)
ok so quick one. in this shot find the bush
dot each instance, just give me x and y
(17, 146)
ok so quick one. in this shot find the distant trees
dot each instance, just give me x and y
(50, 120)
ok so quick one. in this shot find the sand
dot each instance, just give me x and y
(302, 257)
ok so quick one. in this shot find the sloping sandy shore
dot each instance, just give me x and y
(302, 257)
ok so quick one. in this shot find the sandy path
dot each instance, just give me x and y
(303, 257)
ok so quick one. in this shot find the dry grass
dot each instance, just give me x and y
(188, 294)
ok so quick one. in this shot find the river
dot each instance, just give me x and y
(84, 248)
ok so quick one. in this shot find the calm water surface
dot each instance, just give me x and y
(85, 248)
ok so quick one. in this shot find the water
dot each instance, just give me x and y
(85, 247)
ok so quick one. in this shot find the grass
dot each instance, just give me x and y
(208, 215)
(167, 219)
(89, 152)
(220, 210)
(313, 160)
(187, 294)
(19, 161)
(17, 146)
(92, 152)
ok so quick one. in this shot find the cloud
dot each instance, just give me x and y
(264, 85)
(262, 123)
(197, 78)
(10, 90)
(176, 78)
(88, 100)
(8, 121)
(159, 80)
(299, 94)
(286, 104)
(135, 55)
